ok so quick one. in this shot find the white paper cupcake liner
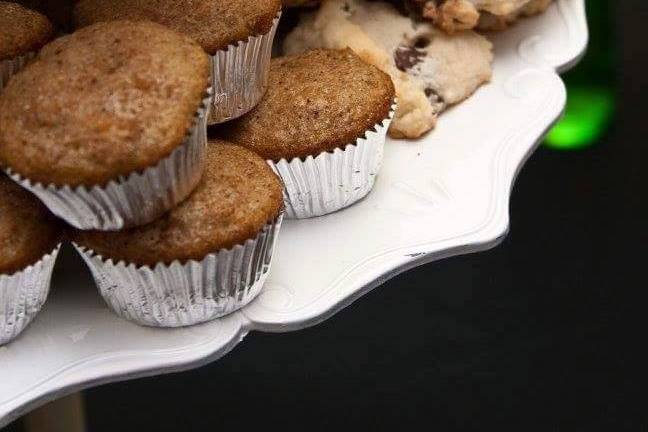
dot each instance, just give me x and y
(331, 181)
(240, 75)
(132, 200)
(12, 66)
(182, 294)
(23, 294)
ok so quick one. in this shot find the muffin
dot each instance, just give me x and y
(107, 125)
(205, 258)
(29, 244)
(22, 33)
(238, 35)
(321, 126)
(59, 12)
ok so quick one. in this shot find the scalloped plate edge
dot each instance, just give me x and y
(88, 374)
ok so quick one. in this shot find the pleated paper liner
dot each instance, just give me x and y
(240, 75)
(12, 66)
(330, 181)
(22, 295)
(182, 294)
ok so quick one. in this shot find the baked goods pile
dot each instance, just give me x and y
(162, 141)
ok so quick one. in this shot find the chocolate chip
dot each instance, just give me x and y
(422, 42)
(437, 102)
(406, 57)
(433, 95)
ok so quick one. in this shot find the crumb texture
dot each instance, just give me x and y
(237, 196)
(105, 101)
(27, 230)
(317, 101)
(214, 24)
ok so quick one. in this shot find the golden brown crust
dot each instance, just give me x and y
(22, 30)
(316, 102)
(237, 196)
(27, 230)
(214, 24)
(108, 100)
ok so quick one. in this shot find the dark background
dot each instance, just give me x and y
(545, 332)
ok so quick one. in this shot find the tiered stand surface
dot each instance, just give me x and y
(443, 195)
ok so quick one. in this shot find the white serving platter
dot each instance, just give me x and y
(443, 195)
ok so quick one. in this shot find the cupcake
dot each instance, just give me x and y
(107, 125)
(322, 127)
(238, 35)
(29, 243)
(22, 33)
(205, 258)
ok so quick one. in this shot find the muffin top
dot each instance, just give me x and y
(214, 24)
(27, 229)
(105, 101)
(237, 196)
(317, 101)
(22, 30)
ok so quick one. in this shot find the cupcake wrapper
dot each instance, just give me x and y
(132, 200)
(240, 76)
(331, 181)
(180, 294)
(23, 294)
(12, 66)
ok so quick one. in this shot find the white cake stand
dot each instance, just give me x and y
(446, 194)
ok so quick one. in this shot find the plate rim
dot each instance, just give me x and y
(491, 234)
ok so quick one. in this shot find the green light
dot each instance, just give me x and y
(589, 111)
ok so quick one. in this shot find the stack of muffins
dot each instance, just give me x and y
(104, 141)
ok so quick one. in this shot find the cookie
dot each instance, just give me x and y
(490, 21)
(457, 15)
(430, 69)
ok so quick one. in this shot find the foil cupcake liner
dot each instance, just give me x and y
(12, 66)
(240, 75)
(331, 181)
(132, 200)
(182, 294)
(23, 294)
